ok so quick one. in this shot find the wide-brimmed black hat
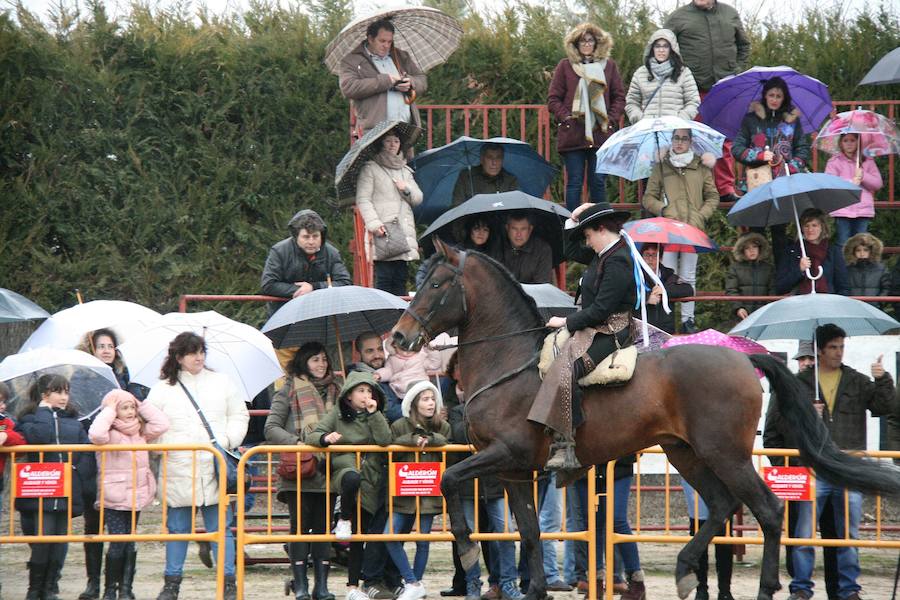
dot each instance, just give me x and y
(597, 212)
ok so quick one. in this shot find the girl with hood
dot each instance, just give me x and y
(853, 166)
(867, 275)
(124, 421)
(663, 85)
(357, 419)
(585, 117)
(750, 272)
(422, 425)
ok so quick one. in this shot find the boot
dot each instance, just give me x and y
(171, 587)
(113, 579)
(636, 589)
(93, 559)
(51, 575)
(320, 592)
(37, 573)
(125, 589)
(300, 583)
(230, 587)
(562, 455)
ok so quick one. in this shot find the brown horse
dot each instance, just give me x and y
(700, 403)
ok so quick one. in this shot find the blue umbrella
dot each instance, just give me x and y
(632, 152)
(16, 307)
(729, 100)
(783, 199)
(438, 169)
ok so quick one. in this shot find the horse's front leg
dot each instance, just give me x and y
(521, 501)
(486, 462)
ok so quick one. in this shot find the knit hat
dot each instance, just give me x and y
(417, 388)
(116, 397)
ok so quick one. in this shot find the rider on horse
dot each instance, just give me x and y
(609, 292)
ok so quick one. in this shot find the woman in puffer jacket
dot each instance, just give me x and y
(868, 276)
(664, 85)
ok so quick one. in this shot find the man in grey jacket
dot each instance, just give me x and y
(303, 262)
(713, 45)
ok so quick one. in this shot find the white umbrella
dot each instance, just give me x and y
(66, 328)
(236, 349)
(89, 377)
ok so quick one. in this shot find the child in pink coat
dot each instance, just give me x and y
(125, 482)
(854, 166)
(401, 367)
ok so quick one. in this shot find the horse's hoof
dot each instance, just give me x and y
(686, 585)
(469, 557)
(534, 595)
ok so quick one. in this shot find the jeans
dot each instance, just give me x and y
(178, 520)
(628, 550)
(550, 517)
(391, 276)
(689, 498)
(803, 557)
(505, 551)
(575, 553)
(845, 228)
(685, 266)
(403, 524)
(575, 162)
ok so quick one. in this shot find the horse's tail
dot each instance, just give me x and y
(817, 449)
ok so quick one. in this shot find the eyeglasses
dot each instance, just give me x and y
(681, 138)
(663, 46)
(587, 41)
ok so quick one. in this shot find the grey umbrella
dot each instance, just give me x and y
(16, 307)
(885, 71)
(338, 313)
(551, 301)
(362, 151)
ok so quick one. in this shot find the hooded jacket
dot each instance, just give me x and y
(713, 42)
(869, 277)
(379, 202)
(287, 263)
(750, 278)
(648, 97)
(871, 182)
(570, 130)
(781, 132)
(685, 194)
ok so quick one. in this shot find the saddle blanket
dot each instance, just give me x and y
(616, 368)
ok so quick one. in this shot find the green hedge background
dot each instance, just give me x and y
(163, 154)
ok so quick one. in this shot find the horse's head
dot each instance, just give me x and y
(439, 304)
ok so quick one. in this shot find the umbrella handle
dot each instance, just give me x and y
(812, 277)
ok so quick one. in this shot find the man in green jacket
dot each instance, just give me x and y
(713, 45)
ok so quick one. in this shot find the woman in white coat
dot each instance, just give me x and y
(663, 86)
(385, 195)
(191, 480)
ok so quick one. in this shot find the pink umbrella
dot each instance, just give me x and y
(878, 135)
(711, 337)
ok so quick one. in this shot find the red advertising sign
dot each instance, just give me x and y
(417, 479)
(789, 483)
(42, 480)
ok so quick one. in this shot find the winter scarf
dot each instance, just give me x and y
(129, 428)
(329, 389)
(662, 70)
(389, 160)
(817, 252)
(681, 160)
(588, 101)
(306, 404)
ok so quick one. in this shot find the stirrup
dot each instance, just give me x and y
(562, 456)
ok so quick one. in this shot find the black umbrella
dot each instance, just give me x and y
(885, 71)
(551, 301)
(362, 151)
(548, 218)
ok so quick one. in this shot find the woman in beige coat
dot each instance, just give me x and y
(664, 86)
(385, 195)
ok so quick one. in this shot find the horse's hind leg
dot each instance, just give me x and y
(719, 501)
(521, 501)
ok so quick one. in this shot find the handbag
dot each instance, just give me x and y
(232, 457)
(757, 176)
(393, 243)
(288, 468)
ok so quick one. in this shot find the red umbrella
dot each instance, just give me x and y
(674, 235)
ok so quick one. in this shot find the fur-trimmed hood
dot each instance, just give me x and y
(876, 247)
(760, 111)
(601, 49)
(765, 250)
(662, 34)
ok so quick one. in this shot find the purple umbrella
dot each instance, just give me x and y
(729, 99)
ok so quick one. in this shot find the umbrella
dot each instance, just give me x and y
(233, 348)
(548, 218)
(16, 307)
(427, 34)
(363, 150)
(551, 301)
(66, 328)
(761, 207)
(662, 230)
(631, 152)
(878, 135)
(339, 313)
(89, 377)
(438, 169)
(729, 100)
(885, 71)
(711, 337)
(656, 337)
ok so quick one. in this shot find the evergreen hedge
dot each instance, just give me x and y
(161, 155)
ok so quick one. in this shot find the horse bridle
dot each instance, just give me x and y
(457, 277)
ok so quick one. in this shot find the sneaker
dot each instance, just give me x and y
(510, 591)
(377, 591)
(800, 595)
(342, 531)
(582, 586)
(356, 594)
(558, 585)
(689, 326)
(412, 591)
(493, 593)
